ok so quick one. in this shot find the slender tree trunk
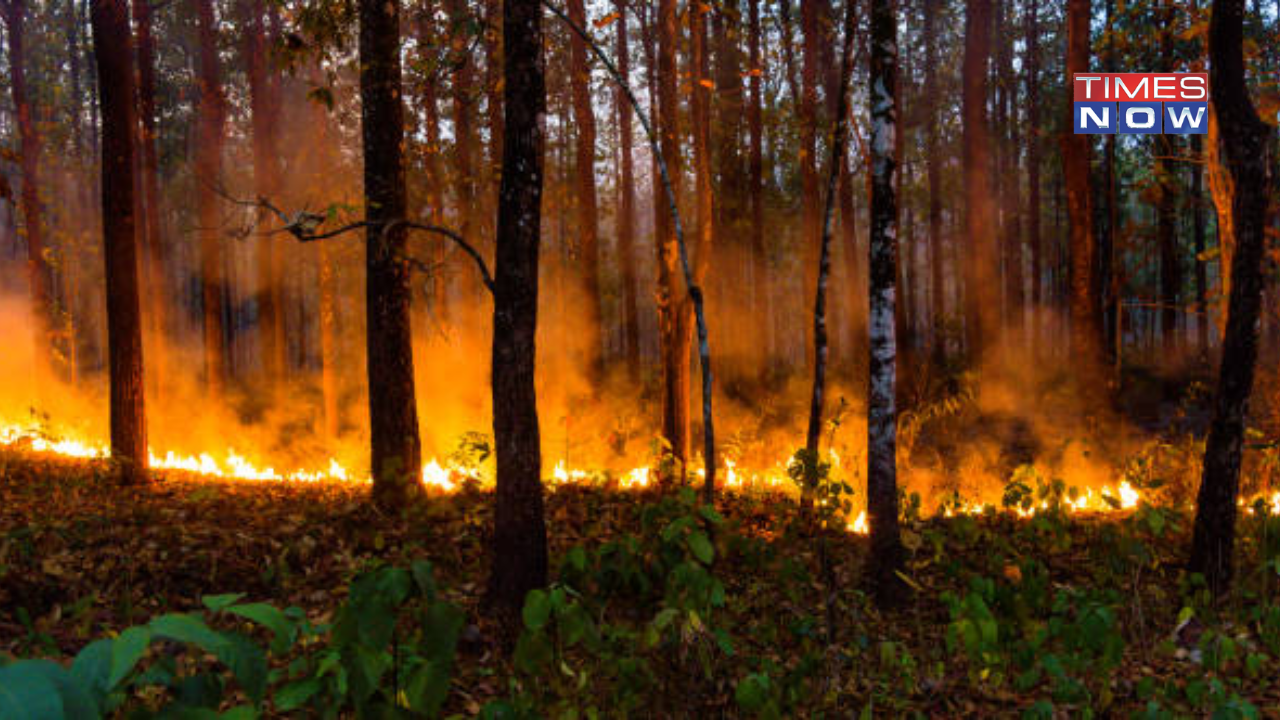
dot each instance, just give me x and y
(704, 212)
(493, 92)
(1086, 309)
(463, 128)
(886, 557)
(1246, 146)
(39, 269)
(520, 535)
(933, 171)
(1166, 208)
(113, 48)
(761, 278)
(810, 216)
(393, 416)
(627, 205)
(820, 345)
(675, 366)
(1032, 21)
(1010, 184)
(208, 175)
(585, 179)
(1198, 244)
(982, 293)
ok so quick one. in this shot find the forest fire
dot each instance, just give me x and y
(448, 477)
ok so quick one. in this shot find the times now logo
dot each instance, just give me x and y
(1140, 103)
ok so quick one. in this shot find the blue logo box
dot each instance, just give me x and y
(1140, 118)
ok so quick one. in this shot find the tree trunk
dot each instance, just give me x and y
(982, 289)
(1245, 138)
(1085, 306)
(264, 107)
(627, 205)
(1010, 185)
(810, 217)
(39, 269)
(519, 535)
(820, 345)
(158, 297)
(463, 130)
(588, 230)
(1198, 240)
(885, 560)
(1031, 19)
(933, 171)
(1166, 208)
(393, 416)
(675, 365)
(208, 175)
(113, 49)
(761, 280)
(704, 212)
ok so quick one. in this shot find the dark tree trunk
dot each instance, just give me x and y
(1166, 209)
(627, 205)
(1246, 145)
(39, 269)
(1085, 306)
(1198, 240)
(393, 417)
(585, 181)
(519, 535)
(113, 48)
(982, 289)
(704, 211)
(208, 171)
(1010, 184)
(264, 107)
(885, 560)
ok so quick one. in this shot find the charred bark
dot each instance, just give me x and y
(393, 419)
(1246, 146)
(520, 536)
(113, 48)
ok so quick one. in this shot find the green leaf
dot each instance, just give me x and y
(218, 603)
(188, 629)
(92, 668)
(272, 619)
(701, 546)
(296, 694)
(42, 690)
(427, 688)
(248, 663)
(537, 610)
(126, 651)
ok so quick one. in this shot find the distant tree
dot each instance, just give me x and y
(886, 557)
(39, 268)
(933, 176)
(158, 298)
(519, 550)
(1245, 141)
(208, 167)
(393, 416)
(587, 226)
(113, 49)
(264, 107)
(982, 296)
(762, 280)
(1031, 22)
(1085, 305)
(626, 202)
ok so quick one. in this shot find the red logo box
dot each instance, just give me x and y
(1140, 87)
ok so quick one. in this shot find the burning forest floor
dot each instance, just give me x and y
(1001, 615)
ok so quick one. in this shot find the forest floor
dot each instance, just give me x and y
(1001, 616)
